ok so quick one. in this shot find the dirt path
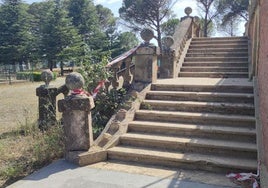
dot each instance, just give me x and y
(18, 103)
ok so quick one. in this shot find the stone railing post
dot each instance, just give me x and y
(76, 114)
(146, 60)
(47, 101)
(168, 59)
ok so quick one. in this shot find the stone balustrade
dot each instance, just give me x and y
(131, 67)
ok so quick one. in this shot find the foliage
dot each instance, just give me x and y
(33, 76)
(122, 43)
(207, 7)
(93, 73)
(232, 9)
(146, 13)
(168, 28)
(56, 31)
(14, 35)
(224, 12)
(106, 105)
(59, 39)
(231, 12)
(86, 19)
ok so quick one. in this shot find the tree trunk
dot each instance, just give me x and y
(61, 69)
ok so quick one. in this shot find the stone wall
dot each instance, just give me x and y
(257, 32)
(263, 74)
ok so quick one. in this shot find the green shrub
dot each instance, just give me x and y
(33, 76)
(106, 103)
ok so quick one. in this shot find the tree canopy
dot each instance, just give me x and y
(146, 13)
(57, 31)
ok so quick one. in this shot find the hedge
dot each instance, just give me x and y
(33, 76)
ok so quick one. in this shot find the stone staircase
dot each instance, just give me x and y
(217, 58)
(203, 120)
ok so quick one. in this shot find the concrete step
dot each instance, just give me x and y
(182, 160)
(214, 74)
(213, 69)
(202, 88)
(242, 134)
(209, 42)
(193, 106)
(200, 96)
(216, 64)
(199, 118)
(191, 144)
(223, 59)
(219, 38)
(218, 45)
(217, 54)
(208, 50)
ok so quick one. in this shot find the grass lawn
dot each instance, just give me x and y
(23, 147)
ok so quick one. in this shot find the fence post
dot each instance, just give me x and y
(47, 101)
(146, 60)
(76, 114)
(168, 59)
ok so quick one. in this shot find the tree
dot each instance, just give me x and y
(14, 35)
(230, 27)
(123, 42)
(168, 28)
(146, 13)
(232, 9)
(207, 7)
(59, 39)
(85, 18)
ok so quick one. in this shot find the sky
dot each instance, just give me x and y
(178, 8)
(114, 5)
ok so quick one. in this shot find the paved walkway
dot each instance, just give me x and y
(62, 174)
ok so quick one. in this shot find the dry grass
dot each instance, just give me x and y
(18, 102)
(22, 146)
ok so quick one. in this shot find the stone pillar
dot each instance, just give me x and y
(47, 101)
(76, 114)
(146, 59)
(168, 61)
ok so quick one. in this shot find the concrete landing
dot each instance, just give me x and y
(62, 174)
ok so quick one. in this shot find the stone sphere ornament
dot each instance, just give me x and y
(147, 35)
(167, 41)
(46, 76)
(188, 11)
(74, 81)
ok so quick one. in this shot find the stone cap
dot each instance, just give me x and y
(44, 91)
(82, 104)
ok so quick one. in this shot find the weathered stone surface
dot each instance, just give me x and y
(147, 35)
(47, 106)
(146, 65)
(92, 157)
(168, 64)
(74, 81)
(46, 76)
(77, 122)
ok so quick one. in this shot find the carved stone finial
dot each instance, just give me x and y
(74, 81)
(167, 42)
(46, 76)
(188, 11)
(147, 35)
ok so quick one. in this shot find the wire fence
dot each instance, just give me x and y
(12, 73)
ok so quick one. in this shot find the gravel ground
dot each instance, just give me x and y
(18, 103)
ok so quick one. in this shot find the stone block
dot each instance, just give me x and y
(77, 122)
